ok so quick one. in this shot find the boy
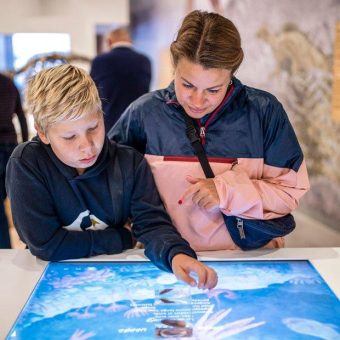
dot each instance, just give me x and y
(72, 190)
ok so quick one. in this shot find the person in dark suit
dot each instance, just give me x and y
(10, 104)
(121, 75)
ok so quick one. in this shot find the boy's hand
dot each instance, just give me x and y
(183, 265)
(128, 225)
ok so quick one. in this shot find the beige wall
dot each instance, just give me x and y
(76, 17)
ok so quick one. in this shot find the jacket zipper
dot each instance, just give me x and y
(202, 134)
(204, 127)
(240, 228)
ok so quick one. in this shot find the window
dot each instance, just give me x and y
(18, 49)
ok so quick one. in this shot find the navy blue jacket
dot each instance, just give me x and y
(121, 75)
(249, 128)
(61, 215)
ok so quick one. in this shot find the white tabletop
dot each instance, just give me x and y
(20, 271)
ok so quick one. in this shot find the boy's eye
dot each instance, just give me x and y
(69, 137)
(93, 128)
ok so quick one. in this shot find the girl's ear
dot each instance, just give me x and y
(42, 135)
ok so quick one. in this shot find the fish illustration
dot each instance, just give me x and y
(166, 290)
(312, 327)
(174, 323)
(180, 296)
(167, 301)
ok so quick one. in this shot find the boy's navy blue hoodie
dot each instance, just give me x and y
(62, 215)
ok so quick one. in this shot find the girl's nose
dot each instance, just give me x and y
(197, 98)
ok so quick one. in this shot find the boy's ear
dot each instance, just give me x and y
(42, 135)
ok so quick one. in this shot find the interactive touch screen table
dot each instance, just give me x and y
(284, 293)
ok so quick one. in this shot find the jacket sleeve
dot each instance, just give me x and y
(129, 129)
(151, 223)
(36, 220)
(282, 180)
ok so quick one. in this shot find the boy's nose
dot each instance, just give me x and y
(85, 143)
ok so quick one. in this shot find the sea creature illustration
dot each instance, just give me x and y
(167, 301)
(174, 295)
(174, 323)
(245, 277)
(82, 314)
(312, 327)
(89, 275)
(207, 326)
(173, 333)
(304, 280)
(82, 335)
(114, 307)
(111, 308)
(136, 311)
(217, 292)
(165, 290)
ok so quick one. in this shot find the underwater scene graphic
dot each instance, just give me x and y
(135, 300)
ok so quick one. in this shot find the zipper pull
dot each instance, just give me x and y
(240, 228)
(202, 135)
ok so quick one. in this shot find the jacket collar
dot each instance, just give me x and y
(70, 172)
(124, 44)
(171, 99)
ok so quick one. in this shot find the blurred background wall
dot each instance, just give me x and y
(78, 18)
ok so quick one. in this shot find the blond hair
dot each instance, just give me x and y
(63, 92)
(208, 39)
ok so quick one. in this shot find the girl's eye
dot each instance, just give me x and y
(188, 86)
(213, 91)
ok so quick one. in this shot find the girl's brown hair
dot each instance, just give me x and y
(208, 39)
